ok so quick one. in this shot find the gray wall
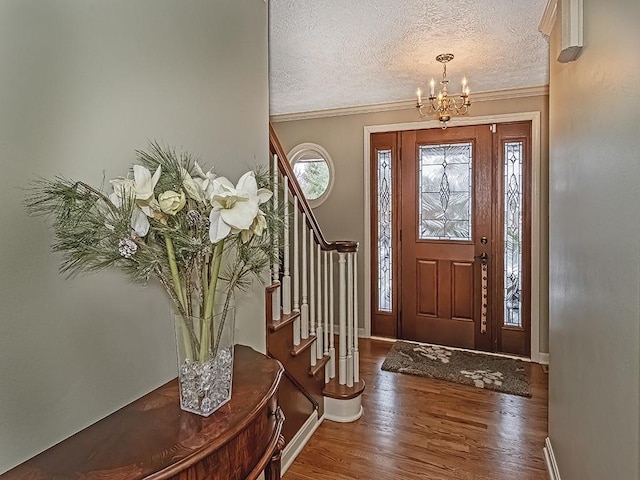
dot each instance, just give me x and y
(83, 84)
(594, 205)
(342, 137)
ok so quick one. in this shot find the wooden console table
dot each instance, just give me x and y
(152, 439)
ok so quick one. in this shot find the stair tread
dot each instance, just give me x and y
(304, 344)
(333, 389)
(319, 366)
(285, 319)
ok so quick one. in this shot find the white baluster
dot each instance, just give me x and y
(349, 321)
(276, 263)
(296, 273)
(332, 348)
(312, 293)
(356, 353)
(325, 283)
(326, 303)
(304, 309)
(319, 328)
(286, 277)
(342, 318)
(296, 257)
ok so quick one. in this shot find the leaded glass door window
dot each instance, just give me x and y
(513, 233)
(385, 231)
(445, 196)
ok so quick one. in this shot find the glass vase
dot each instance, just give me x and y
(205, 361)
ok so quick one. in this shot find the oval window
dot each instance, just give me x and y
(313, 169)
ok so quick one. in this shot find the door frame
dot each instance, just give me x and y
(534, 118)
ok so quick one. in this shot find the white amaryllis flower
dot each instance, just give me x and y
(256, 228)
(139, 221)
(204, 180)
(140, 190)
(140, 186)
(234, 209)
(192, 187)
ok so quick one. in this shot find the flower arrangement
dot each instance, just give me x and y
(199, 234)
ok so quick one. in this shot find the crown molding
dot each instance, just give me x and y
(548, 17)
(509, 93)
(409, 104)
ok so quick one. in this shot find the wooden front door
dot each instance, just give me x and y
(460, 250)
(446, 210)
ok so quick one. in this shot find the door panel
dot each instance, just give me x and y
(462, 283)
(443, 216)
(427, 287)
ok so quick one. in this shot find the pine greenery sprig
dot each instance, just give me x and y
(88, 228)
(173, 165)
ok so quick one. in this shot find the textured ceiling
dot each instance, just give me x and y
(342, 53)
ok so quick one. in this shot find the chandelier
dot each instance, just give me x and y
(442, 105)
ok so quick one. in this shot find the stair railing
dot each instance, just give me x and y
(309, 293)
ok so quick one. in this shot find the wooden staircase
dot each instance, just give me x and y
(310, 380)
(311, 314)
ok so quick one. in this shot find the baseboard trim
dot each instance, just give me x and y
(543, 358)
(550, 460)
(299, 440)
(362, 333)
(384, 339)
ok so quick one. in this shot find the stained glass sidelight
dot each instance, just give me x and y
(385, 271)
(513, 229)
(445, 182)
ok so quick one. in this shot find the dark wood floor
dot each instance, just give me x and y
(418, 428)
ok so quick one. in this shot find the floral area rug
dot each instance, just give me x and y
(501, 374)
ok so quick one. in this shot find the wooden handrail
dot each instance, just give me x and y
(342, 246)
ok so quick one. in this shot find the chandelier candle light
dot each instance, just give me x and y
(442, 105)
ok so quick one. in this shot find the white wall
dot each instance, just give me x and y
(84, 83)
(594, 245)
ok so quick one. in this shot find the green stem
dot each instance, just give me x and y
(233, 282)
(188, 336)
(213, 278)
(223, 317)
(188, 333)
(173, 266)
(186, 339)
(204, 281)
(187, 294)
(207, 318)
